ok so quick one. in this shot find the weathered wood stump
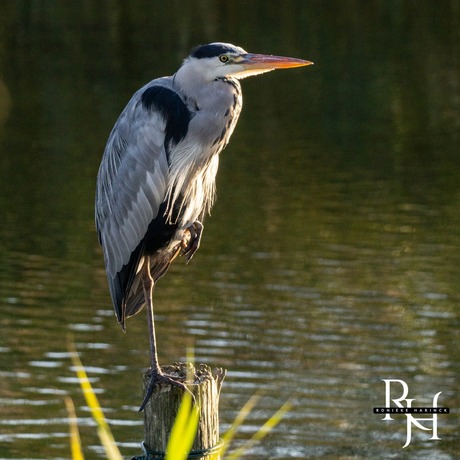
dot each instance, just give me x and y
(161, 410)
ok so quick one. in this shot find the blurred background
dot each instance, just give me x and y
(331, 259)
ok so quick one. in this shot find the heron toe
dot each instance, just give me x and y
(158, 378)
(191, 239)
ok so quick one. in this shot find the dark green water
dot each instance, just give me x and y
(331, 259)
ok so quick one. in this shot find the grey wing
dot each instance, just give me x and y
(131, 185)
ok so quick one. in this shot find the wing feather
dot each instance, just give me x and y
(132, 182)
(130, 203)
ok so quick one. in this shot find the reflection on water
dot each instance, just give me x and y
(330, 261)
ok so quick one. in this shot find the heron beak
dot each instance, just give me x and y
(267, 62)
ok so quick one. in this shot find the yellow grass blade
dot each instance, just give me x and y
(105, 435)
(184, 430)
(75, 442)
(239, 420)
(262, 432)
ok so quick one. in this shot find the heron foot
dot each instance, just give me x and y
(191, 239)
(158, 378)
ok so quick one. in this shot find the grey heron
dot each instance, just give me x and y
(156, 181)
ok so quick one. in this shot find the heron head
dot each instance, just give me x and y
(217, 60)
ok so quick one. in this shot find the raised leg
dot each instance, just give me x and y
(156, 375)
(191, 239)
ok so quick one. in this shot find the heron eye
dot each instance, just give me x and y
(223, 58)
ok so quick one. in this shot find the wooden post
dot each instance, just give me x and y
(161, 410)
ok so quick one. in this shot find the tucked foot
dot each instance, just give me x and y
(191, 239)
(158, 378)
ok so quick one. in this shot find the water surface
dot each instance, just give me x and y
(330, 260)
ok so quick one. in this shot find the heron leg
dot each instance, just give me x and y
(157, 377)
(148, 284)
(191, 239)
